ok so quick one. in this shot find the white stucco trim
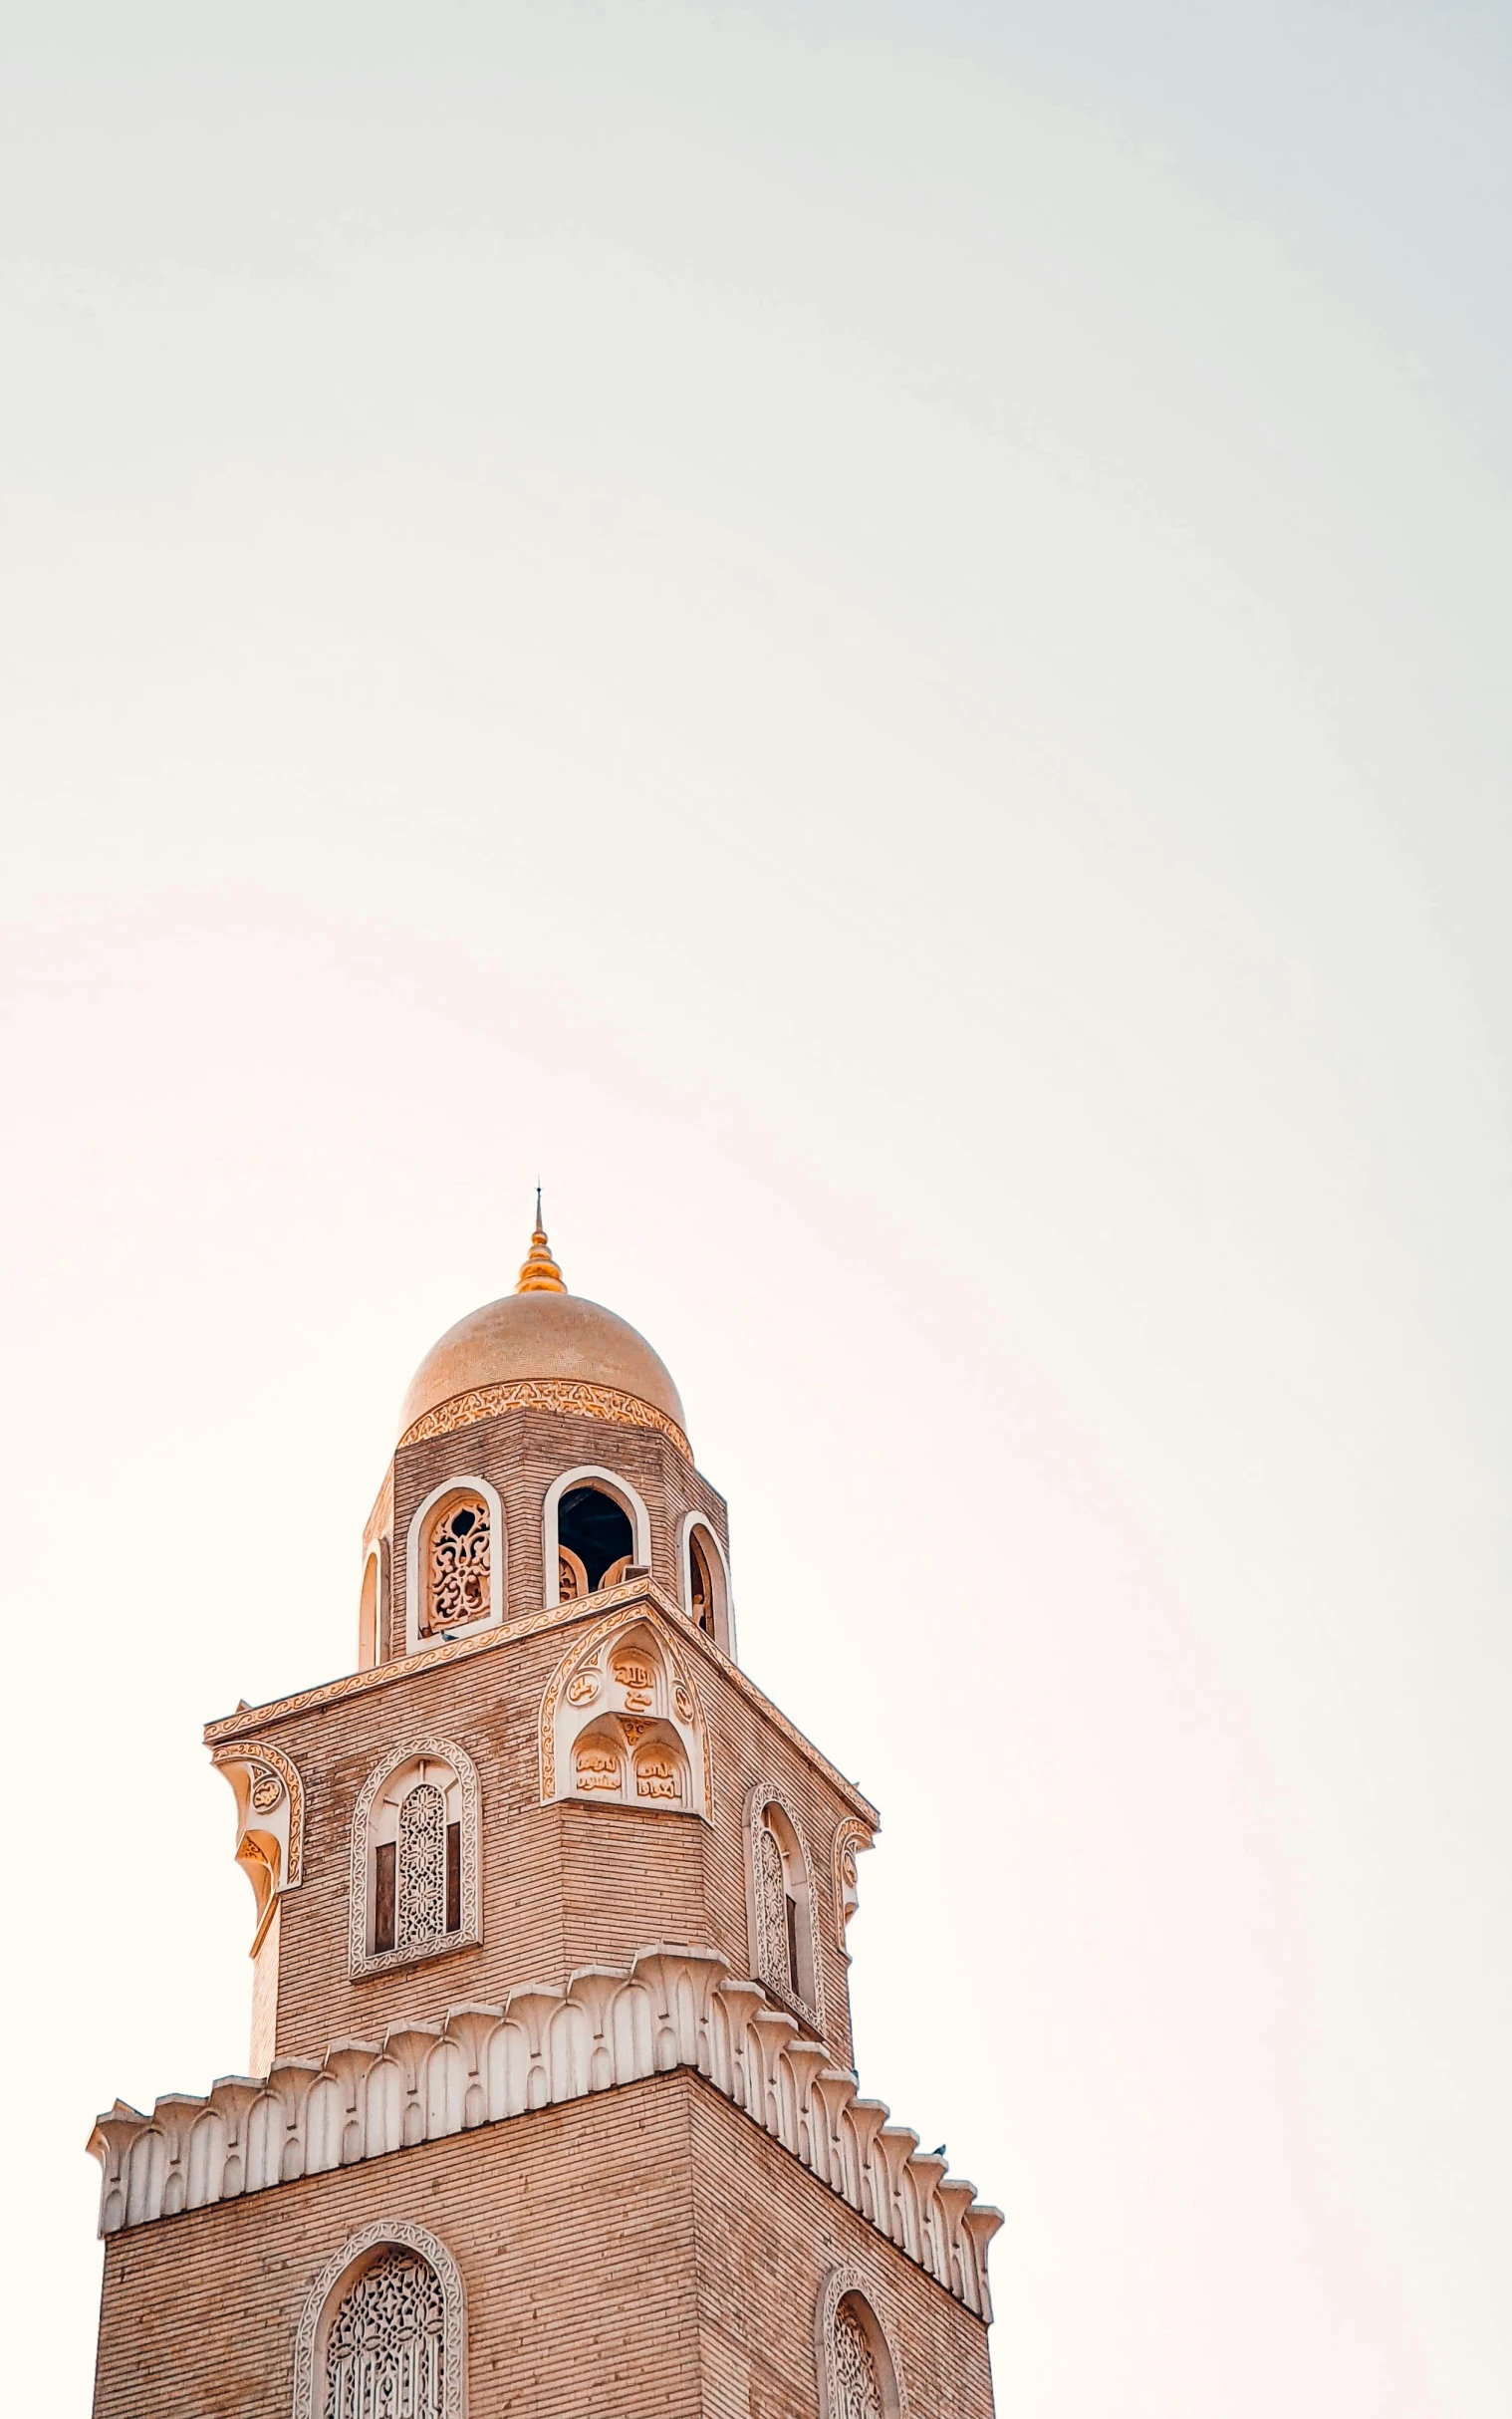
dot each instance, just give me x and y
(589, 1475)
(462, 1481)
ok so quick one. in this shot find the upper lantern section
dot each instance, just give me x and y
(539, 1336)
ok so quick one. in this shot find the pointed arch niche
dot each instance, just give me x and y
(859, 2375)
(387, 2316)
(622, 1725)
(414, 1885)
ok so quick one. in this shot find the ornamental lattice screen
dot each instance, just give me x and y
(422, 1866)
(385, 2352)
(859, 2388)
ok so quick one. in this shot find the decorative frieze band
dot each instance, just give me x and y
(569, 1397)
(669, 2007)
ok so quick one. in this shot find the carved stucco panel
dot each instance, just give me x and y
(310, 2381)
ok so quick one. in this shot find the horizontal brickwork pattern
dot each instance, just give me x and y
(767, 2233)
(646, 2253)
(522, 1454)
(573, 2230)
(674, 2007)
(563, 1885)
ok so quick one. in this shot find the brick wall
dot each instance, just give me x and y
(521, 1453)
(646, 2254)
(563, 1885)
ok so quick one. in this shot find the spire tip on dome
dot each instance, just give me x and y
(540, 1273)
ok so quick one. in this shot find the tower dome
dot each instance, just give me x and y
(542, 1334)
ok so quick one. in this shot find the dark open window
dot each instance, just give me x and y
(592, 1526)
(453, 1877)
(703, 1586)
(384, 1895)
(791, 1903)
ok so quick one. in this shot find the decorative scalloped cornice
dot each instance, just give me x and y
(670, 2006)
(568, 1398)
(251, 1718)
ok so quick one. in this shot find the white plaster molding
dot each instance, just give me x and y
(585, 1695)
(670, 2006)
(590, 1473)
(847, 2283)
(270, 1836)
(725, 1615)
(362, 1961)
(403, 2234)
(462, 1481)
(851, 1839)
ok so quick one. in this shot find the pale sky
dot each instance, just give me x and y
(873, 639)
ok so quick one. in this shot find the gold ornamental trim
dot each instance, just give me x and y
(568, 1398)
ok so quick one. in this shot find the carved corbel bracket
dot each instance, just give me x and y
(270, 1821)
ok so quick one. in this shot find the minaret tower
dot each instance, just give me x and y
(551, 2110)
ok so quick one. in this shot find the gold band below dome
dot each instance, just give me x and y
(570, 1398)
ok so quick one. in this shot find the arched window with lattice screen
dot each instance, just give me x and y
(414, 1874)
(385, 2352)
(859, 2375)
(782, 1949)
(455, 1564)
(382, 2332)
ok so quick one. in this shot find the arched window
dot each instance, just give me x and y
(367, 1611)
(416, 1859)
(861, 2393)
(386, 2349)
(700, 1585)
(454, 1573)
(595, 1542)
(456, 1564)
(858, 2376)
(382, 2331)
(706, 1582)
(596, 1532)
(782, 1913)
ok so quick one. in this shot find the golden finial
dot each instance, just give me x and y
(540, 1273)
